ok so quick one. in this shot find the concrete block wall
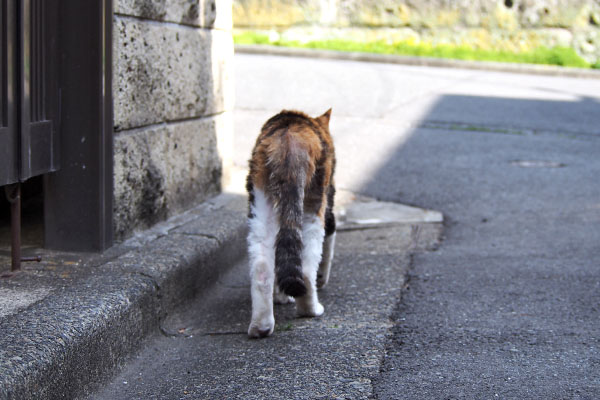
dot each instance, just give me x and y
(173, 99)
(514, 25)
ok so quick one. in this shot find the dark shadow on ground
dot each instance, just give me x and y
(508, 306)
(466, 145)
(580, 116)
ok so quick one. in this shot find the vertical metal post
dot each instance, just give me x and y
(79, 197)
(13, 194)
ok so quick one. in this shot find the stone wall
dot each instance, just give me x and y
(508, 24)
(173, 99)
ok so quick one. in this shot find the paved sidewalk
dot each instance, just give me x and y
(204, 351)
(69, 321)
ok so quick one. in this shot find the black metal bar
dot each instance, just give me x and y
(13, 194)
(3, 63)
(38, 95)
(9, 148)
(24, 91)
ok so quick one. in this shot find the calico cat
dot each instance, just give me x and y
(290, 216)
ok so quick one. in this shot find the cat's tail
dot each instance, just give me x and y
(291, 168)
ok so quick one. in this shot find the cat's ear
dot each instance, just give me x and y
(324, 119)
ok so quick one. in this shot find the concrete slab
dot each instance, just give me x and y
(67, 322)
(13, 300)
(362, 212)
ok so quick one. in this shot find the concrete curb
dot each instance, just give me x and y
(71, 341)
(420, 61)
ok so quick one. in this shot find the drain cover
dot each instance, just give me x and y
(537, 164)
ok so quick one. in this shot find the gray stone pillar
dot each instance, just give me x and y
(173, 99)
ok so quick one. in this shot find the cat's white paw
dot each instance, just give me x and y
(314, 310)
(256, 330)
(282, 298)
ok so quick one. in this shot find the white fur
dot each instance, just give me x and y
(263, 228)
(325, 266)
(312, 238)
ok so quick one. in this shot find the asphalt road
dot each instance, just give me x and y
(509, 304)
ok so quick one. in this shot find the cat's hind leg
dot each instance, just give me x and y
(325, 265)
(263, 228)
(328, 242)
(312, 239)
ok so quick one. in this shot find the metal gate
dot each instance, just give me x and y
(29, 142)
(56, 114)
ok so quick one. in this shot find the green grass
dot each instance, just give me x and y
(284, 328)
(562, 56)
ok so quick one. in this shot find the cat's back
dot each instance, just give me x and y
(291, 129)
(292, 146)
